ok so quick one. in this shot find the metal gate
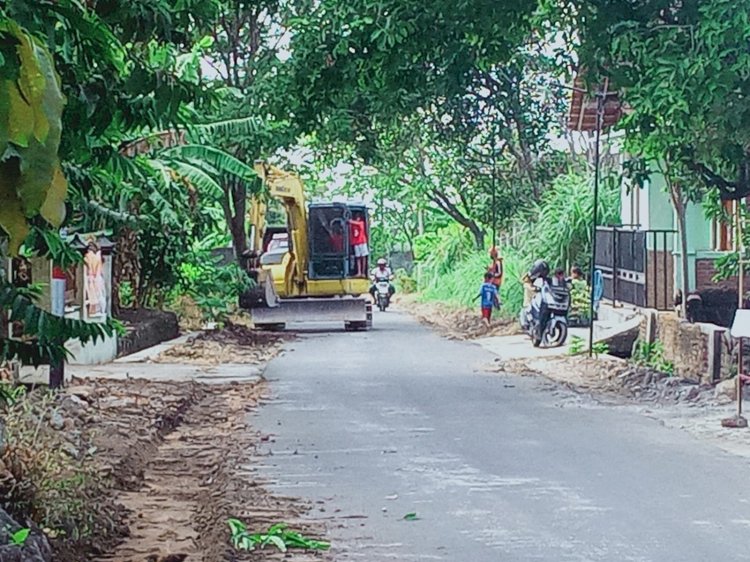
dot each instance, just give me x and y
(637, 266)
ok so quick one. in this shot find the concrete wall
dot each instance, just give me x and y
(703, 353)
(146, 328)
(660, 213)
(685, 345)
(701, 254)
(103, 351)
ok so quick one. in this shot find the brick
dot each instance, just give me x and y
(704, 274)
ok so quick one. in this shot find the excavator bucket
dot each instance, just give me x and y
(354, 313)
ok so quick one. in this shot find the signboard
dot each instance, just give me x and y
(741, 324)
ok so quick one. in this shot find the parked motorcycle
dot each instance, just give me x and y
(550, 306)
(382, 294)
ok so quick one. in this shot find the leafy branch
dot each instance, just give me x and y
(43, 334)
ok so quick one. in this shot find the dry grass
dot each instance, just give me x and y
(233, 343)
(456, 322)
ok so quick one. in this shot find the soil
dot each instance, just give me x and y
(455, 322)
(137, 470)
(232, 344)
(674, 402)
(166, 464)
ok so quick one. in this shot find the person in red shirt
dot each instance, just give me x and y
(358, 240)
(496, 268)
(337, 238)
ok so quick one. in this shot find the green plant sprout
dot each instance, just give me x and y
(20, 537)
(600, 348)
(652, 355)
(576, 345)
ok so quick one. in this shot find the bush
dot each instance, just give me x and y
(212, 287)
(560, 224)
(405, 283)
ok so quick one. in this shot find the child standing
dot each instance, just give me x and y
(358, 240)
(489, 297)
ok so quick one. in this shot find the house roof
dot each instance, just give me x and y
(583, 107)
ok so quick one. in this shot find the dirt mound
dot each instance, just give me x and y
(611, 376)
(456, 323)
(137, 470)
(233, 343)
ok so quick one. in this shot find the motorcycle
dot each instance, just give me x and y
(382, 294)
(550, 305)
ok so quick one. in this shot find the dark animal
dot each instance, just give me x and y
(713, 306)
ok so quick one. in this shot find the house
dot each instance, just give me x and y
(641, 262)
(649, 209)
(641, 257)
(68, 292)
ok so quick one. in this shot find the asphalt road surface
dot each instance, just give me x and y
(372, 426)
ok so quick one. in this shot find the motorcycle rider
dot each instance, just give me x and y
(379, 273)
(539, 275)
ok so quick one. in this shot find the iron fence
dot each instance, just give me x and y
(637, 265)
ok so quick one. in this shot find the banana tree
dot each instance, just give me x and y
(32, 186)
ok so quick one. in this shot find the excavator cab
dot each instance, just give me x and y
(331, 254)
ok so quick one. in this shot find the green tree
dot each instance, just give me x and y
(355, 66)
(31, 185)
(682, 71)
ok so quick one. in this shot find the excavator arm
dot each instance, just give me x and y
(287, 188)
(257, 223)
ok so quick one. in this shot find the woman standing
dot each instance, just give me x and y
(96, 296)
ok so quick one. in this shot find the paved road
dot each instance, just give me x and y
(498, 468)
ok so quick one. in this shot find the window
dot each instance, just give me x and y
(723, 231)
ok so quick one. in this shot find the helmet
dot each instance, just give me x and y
(539, 269)
(382, 261)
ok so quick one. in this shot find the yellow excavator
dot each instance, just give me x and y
(306, 270)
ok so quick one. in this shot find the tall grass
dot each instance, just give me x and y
(557, 229)
(560, 224)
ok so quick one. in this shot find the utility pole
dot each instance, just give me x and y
(600, 98)
(494, 187)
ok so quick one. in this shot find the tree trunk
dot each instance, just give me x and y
(234, 204)
(684, 265)
(477, 233)
(679, 204)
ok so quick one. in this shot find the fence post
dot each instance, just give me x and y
(615, 233)
(666, 274)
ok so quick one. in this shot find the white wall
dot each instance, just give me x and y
(103, 351)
